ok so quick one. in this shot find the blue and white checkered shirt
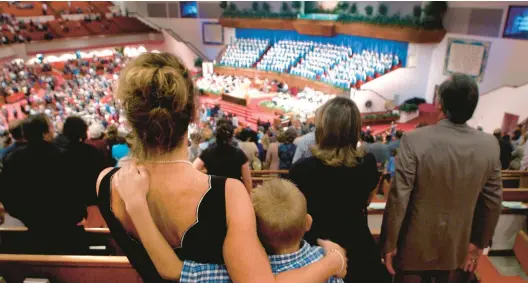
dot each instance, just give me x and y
(205, 273)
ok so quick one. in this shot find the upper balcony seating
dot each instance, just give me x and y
(283, 55)
(244, 53)
(103, 27)
(72, 7)
(360, 67)
(68, 28)
(22, 9)
(103, 6)
(322, 58)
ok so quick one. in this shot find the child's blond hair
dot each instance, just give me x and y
(281, 213)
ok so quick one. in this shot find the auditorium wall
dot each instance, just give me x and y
(180, 49)
(506, 65)
(493, 105)
(405, 83)
(191, 31)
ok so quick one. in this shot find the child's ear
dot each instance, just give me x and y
(309, 221)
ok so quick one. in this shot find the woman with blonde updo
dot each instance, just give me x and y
(152, 209)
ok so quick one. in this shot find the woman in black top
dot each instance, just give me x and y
(337, 182)
(224, 159)
(203, 218)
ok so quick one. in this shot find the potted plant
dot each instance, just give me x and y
(408, 111)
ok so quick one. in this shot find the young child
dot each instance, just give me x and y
(282, 220)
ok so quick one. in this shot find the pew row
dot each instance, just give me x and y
(487, 273)
(514, 179)
(15, 241)
(66, 268)
(510, 178)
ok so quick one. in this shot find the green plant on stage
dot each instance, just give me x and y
(429, 18)
(353, 8)
(296, 5)
(434, 13)
(255, 6)
(266, 7)
(232, 7)
(383, 10)
(408, 107)
(417, 12)
(198, 62)
(341, 7)
(285, 8)
(223, 5)
(369, 10)
(389, 116)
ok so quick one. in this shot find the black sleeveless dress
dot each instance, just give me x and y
(201, 242)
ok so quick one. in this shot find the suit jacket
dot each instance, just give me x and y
(446, 192)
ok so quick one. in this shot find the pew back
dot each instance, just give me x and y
(59, 268)
(16, 241)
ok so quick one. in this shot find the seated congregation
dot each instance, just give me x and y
(181, 204)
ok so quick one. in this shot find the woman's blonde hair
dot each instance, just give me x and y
(159, 100)
(337, 130)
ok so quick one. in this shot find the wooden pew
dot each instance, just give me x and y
(66, 269)
(263, 175)
(520, 249)
(487, 272)
(78, 269)
(520, 194)
(514, 179)
(15, 241)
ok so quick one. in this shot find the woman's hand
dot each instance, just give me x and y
(132, 184)
(335, 250)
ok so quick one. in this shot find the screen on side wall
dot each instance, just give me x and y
(189, 9)
(517, 23)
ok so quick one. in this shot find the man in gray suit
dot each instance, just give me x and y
(445, 198)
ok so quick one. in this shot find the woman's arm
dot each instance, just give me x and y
(246, 177)
(132, 185)
(245, 258)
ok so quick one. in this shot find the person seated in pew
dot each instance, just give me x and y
(31, 193)
(282, 219)
(159, 99)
